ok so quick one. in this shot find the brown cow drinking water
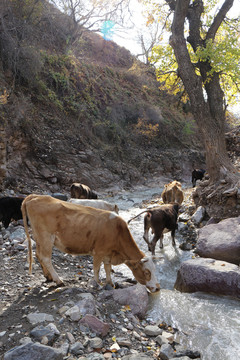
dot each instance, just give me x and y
(83, 230)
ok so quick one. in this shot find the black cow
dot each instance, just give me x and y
(197, 174)
(161, 220)
(10, 208)
(81, 191)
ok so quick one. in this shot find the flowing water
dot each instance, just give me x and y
(206, 322)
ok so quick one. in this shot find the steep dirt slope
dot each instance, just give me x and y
(90, 113)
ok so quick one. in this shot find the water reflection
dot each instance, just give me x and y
(207, 323)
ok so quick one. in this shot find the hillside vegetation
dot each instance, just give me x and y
(90, 112)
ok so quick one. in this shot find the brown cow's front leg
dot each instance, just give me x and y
(147, 226)
(145, 235)
(152, 244)
(161, 241)
(45, 270)
(96, 268)
(107, 267)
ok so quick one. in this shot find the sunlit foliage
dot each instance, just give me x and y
(150, 131)
(222, 53)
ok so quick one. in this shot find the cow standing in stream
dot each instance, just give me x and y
(161, 219)
(173, 193)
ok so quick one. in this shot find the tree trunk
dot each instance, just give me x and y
(209, 113)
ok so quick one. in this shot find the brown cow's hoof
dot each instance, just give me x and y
(60, 284)
(108, 287)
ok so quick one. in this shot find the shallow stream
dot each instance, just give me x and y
(206, 322)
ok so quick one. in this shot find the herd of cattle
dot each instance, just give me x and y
(85, 225)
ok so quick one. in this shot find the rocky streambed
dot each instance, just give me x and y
(83, 321)
(78, 320)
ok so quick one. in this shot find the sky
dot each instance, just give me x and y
(128, 38)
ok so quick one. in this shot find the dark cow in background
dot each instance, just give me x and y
(81, 191)
(10, 209)
(197, 174)
(161, 219)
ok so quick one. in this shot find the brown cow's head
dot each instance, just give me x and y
(144, 272)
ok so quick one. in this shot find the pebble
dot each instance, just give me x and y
(96, 343)
(152, 330)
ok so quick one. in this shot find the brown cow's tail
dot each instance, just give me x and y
(24, 214)
(137, 215)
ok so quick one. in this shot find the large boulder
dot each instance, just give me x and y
(33, 351)
(135, 296)
(220, 241)
(209, 275)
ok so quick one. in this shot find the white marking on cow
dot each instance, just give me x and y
(149, 265)
(112, 215)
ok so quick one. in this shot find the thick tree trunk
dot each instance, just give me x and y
(218, 163)
(208, 110)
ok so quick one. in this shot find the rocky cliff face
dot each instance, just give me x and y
(49, 157)
(50, 153)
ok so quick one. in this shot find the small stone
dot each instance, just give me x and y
(124, 342)
(168, 336)
(70, 337)
(63, 309)
(152, 330)
(95, 324)
(96, 343)
(115, 347)
(25, 340)
(166, 352)
(161, 340)
(35, 318)
(77, 348)
(74, 313)
(44, 340)
(136, 335)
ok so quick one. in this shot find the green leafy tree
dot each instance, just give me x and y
(202, 63)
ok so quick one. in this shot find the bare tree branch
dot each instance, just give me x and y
(219, 19)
